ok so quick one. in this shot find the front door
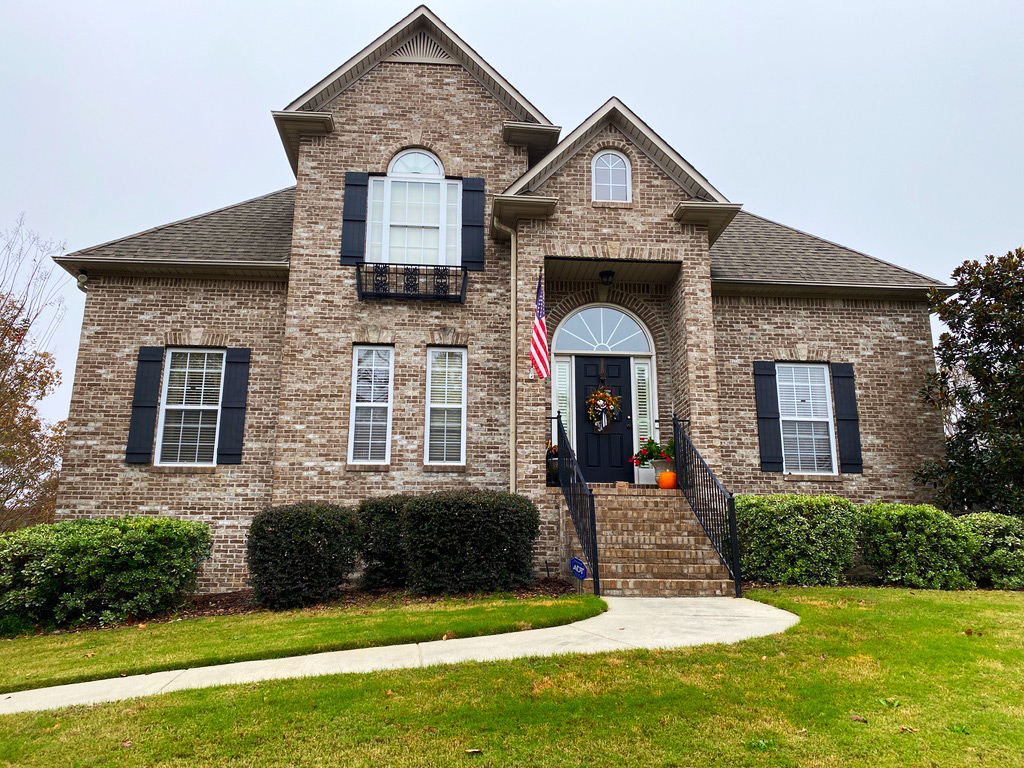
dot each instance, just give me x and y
(603, 455)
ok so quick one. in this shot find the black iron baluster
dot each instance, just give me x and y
(714, 507)
(580, 501)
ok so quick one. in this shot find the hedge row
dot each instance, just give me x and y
(813, 540)
(453, 541)
(104, 570)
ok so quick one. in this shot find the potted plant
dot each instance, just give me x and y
(660, 457)
(552, 465)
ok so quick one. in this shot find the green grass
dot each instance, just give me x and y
(931, 695)
(39, 661)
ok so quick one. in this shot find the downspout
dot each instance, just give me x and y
(513, 312)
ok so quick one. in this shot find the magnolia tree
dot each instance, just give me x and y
(30, 312)
(979, 387)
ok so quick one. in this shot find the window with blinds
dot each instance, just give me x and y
(190, 406)
(446, 406)
(562, 380)
(369, 430)
(644, 400)
(805, 412)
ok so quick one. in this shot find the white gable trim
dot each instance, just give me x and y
(651, 144)
(421, 19)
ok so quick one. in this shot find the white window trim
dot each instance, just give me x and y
(829, 419)
(593, 177)
(426, 418)
(352, 403)
(163, 408)
(442, 223)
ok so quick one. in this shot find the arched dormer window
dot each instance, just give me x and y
(612, 177)
(415, 213)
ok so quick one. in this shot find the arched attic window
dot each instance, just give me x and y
(415, 213)
(612, 177)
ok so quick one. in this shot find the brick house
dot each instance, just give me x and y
(367, 331)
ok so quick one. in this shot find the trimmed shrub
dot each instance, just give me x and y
(1000, 559)
(796, 539)
(469, 541)
(917, 546)
(381, 542)
(301, 554)
(103, 570)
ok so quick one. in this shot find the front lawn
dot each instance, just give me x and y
(870, 677)
(36, 662)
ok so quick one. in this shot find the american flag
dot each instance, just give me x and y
(539, 342)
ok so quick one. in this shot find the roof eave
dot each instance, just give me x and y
(537, 138)
(715, 216)
(141, 267)
(734, 286)
(507, 210)
(292, 126)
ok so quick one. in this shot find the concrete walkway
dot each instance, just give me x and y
(629, 623)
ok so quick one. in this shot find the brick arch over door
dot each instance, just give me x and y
(648, 315)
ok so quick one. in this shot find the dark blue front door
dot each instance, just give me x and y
(603, 455)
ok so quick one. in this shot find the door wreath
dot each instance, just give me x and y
(602, 407)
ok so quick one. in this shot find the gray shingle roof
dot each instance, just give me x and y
(254, 230)
(758, 249)
(750, 249)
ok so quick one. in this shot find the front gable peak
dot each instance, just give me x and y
(614, 112)
(421, 37)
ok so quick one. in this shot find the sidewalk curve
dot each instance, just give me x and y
(629, 623)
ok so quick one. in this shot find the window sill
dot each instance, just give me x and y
(812, 478)
(368, 467)
(444, 467)
(610, 204)
(171, 469)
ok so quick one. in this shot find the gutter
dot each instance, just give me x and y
(737, 285)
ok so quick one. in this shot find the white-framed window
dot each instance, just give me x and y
(415, 213)
(446, 406)
(189, 422)
(369, 430)
(612, 177)
(805, 410)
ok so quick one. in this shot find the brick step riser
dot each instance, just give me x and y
(647, 526)
(630, 541)
(644, 571)
(667, 587)
(673, 561)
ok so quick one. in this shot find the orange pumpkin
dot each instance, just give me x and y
(667, 480)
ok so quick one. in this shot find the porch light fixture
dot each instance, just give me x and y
(606, 277)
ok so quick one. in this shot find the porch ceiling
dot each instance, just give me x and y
(589, 270)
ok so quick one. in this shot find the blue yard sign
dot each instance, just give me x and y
(578, 568)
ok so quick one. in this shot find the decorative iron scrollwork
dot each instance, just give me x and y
(381, 284)
(442, 281)
(411, 275)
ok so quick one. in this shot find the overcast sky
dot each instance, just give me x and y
(891, 127)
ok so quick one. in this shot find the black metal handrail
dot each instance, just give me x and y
(580, 501)
(423, 282)
(714, 506)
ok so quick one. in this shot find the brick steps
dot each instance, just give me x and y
(651, 545)
(667, 587)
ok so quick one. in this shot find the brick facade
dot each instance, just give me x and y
(889, 344)
(302, 334)
(125, 313)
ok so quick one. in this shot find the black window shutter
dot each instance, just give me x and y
(232, 406)
(473, 224)
(353, 218)
(844, 398)
(769, 429)
(145, 403)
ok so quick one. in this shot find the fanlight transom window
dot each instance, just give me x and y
(415, 214)
(601, 329)
(612, 177)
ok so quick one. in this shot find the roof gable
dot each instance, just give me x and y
(419, 37)
(639, 133)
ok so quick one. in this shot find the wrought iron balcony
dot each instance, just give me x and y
(421, 282)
